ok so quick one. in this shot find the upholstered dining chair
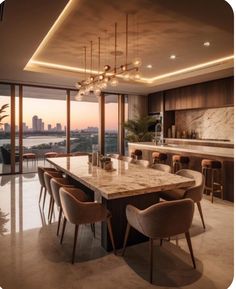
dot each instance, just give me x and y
(143, 163)
(161, 167)
(77, 211)
(41, 171)
(160, 221)
(126, 159)
(47, 178)
(56, 184)
(195, 192)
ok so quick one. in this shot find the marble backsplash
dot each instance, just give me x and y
(214, 123)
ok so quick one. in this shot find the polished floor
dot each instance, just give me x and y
(31, 256)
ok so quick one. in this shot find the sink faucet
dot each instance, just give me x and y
(158, 139)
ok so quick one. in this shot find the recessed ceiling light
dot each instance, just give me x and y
(173, 56)
(206, 43)
(149, 66)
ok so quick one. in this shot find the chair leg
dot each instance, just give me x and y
(201, 214)
(93, 229)
(187, 236)
(49, 209)
(126, 238)
(59, 221)
(52, 211)
(111, 235)
(40, 195)
(150, 259)
(75, 241)
(44, 199)
(63, 230)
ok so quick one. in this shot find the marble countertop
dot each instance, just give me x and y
(200, 140)
(126, 180)
(187, 148)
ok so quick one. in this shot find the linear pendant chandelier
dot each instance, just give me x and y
(96, 82)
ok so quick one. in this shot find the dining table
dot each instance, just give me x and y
(126, 183)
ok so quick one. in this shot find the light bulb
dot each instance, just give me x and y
(107, 67)
(114, 82)
(137, 62)
(127, 76)
(101, 77)
(123, 67)
(91, 78)
(97, 91)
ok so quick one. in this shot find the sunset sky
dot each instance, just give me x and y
(83, 114)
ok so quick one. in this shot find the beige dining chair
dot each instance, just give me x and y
(56, 184)
(78, 212)
(126, 159)
(47, 178)
(161, 167)
(41, 171)
(195, 192)
(160, 221)
(114, 156)
(142, 163)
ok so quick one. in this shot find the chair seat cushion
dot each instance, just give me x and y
(159, 156)
(50, 154)
(181, 159)
(29, 156)
(172, 195)
(213, 164)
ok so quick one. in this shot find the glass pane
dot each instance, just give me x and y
(111, 124)
(84, 125)
(5, 131)
(126, 118)
(44, 125)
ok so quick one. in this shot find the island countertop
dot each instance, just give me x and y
(126, 180)
(186, 148)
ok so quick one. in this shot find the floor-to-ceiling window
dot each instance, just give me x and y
(126, 108)
(84, 122)
(44, 124)
(111, 123)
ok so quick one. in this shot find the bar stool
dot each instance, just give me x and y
(137, 154)
(212, 168)
(180, 162)
(158, 158)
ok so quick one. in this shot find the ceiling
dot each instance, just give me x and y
(43, 40)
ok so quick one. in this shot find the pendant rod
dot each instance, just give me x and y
(126, 48)
(91, 57)
(115, 44)
(85, 63)
(99, 54)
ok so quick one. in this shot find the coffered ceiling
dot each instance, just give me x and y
(53, 53)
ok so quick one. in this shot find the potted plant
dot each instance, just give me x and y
(138, 129)
(2, 110)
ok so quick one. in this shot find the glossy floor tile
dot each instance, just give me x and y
(31, 256)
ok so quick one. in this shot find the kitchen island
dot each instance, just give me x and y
(196, 153)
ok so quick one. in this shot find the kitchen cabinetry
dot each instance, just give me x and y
(211, 94)
(155, 102)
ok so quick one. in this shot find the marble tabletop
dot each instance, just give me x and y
(126, 180)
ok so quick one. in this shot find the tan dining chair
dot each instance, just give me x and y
(142, 163)
(161, 167)
(77, 211)
(160, 221)
(114, 156)
(41, 171)
(126, 159)
(56, 184)
(195, 192)
(47, 178)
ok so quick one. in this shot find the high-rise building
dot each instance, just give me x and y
(58, 127)
(35, 123)
(7, 127)
(25, 127)
(39, 124)
(42, 126)
(49, 127)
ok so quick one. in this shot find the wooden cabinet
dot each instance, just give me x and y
(211, 94)
(155, 102)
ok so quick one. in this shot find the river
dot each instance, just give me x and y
(35, 140)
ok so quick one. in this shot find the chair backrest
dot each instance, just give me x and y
(195, 192)
(126, 159)
(47, 178)
(164, 219)
(77, 211)
(161, 167)
(56, 184)
(5, 156)
(142, 163)
(41, 171)
(114, 156)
